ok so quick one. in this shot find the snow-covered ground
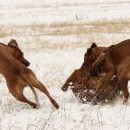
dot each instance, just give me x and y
(54, 35)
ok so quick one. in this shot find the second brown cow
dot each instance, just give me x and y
(18, 76)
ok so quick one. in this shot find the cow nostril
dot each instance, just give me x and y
(63, 89)
(28, 64)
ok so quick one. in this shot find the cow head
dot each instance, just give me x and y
(17, 53)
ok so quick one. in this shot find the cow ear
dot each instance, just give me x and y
(89, 51)
(93, 45)
(13, 43)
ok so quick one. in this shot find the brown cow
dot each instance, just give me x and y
(87, 88)
(18, 76)
(112, 60)
(78, 75)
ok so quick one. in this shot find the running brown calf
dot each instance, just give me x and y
(18, 76)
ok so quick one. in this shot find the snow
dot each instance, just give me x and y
(48, 11)
(54, 35)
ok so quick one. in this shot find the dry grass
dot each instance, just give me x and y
(67, 28)
(66, 34)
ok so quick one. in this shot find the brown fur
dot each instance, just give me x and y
(123, 76)
(18, 76)
(75, 78)
(92, 91)
(114, 56)
(16, 52)
(91, 56)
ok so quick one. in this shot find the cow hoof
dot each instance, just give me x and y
(34, 105)
(55, 104)
(125, 102)
(94, 102)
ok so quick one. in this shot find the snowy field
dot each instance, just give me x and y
(54, 35)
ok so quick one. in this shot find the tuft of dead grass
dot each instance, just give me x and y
(67, 28)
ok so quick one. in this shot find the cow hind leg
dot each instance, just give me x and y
(23, 98)
(43, 89)
(37, 84)
(17, 91)
(123, 85)
(31, 80)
